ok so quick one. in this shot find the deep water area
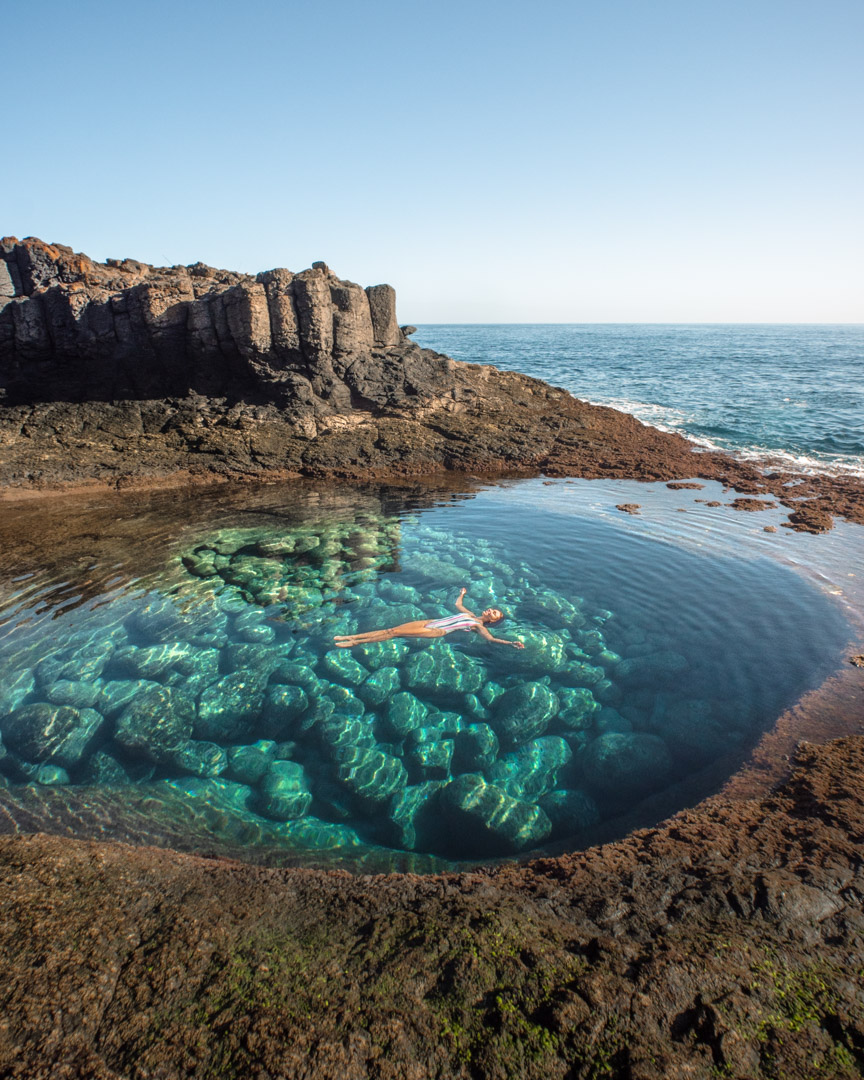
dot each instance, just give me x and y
(791, 393)
(168, 672)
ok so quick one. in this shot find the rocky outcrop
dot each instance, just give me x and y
(125, 374)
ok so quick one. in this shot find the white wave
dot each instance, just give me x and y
(669, 419)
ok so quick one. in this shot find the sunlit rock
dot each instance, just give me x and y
(485, 820)
(523, 712)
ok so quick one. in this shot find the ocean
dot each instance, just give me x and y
(791, 394)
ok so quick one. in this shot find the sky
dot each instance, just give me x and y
(603, 161)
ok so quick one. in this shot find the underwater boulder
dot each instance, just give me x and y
(475, 748)
(229, 709)
(247, 764)
(104, 769)
(432, 757)
(115, 695)
(250, 626)
(16, 688)
(576, 709)
(647, 670)
(570, 810)
(609, 719)
(543, 652)
(82, 664)
(284, 705)
(345, 701)
(80, 695)
(608, 692)
(293, 673)
(691, 731)
(484, 820)
(338, 732)
(441, 673)
(624, 764)
(51, 775)
(149, 662)
(524, 711)
(403, 713)
(340, 665)
(284, 792)
(156, 724)
(246, 657)
(532, 770)
(578, 673)
(58, 734)
(371, 775)
(380, 687)
(378, 654)
(413, 816)
(200, 758)
(161, 621)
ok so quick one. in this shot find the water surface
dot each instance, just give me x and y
(169, 675)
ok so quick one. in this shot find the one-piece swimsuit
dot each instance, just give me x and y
(454, 622)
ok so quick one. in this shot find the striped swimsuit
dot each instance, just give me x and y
(454, 622)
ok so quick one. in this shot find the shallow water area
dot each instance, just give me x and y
(169, 674)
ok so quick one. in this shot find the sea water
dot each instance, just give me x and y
(791, 393)
(168, 674)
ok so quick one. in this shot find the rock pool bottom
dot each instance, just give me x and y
(193, 696)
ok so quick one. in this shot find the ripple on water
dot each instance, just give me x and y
(202, 703)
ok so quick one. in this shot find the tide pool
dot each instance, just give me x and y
(179, 684)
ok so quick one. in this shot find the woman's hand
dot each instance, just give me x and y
(516, 644)
(462, 592)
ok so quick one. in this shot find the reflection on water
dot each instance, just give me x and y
(167, 673)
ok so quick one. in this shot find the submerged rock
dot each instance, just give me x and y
(380, 687)
(157, 724)
(200, 758)
(248, 764)
(475, 748)
(532, 770)
(485, 820)
(625, 765)
(570, 811)
(59, 734)
(524, 712)
(414, 816)
(404, 713)
(229, 708)
(370, 774)
(284, 791)
(442, 673)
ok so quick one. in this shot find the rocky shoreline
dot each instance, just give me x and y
(725, 942)
(121, 374)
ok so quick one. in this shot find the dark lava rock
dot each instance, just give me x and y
(58, 734)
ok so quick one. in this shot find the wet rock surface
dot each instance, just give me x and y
(727, 941)
(124, 374)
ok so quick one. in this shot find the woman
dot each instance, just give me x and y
(432, 628)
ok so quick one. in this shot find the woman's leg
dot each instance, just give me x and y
(409, 629)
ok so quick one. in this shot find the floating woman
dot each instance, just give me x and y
(433, 628)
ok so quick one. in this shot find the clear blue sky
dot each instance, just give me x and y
(618, 160)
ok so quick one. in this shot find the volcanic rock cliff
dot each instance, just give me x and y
(123, 374)
(124, 371)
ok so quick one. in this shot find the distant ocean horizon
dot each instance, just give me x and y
(791, 394)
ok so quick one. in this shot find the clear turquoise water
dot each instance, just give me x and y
(198, 700)
(793, 392)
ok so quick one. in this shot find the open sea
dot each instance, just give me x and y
(791, 393)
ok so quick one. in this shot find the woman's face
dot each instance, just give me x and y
(492, 615)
